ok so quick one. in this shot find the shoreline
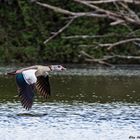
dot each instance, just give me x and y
(88, 70)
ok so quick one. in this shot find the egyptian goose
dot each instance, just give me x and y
(32, 77)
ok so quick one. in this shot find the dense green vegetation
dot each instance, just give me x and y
(24, 26)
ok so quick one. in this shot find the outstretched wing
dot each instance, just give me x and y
(43, 86)
(26, 95)
(26, 92)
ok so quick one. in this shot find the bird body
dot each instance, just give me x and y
(31, 78)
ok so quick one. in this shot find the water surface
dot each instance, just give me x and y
(83, 106)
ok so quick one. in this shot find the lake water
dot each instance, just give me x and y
(93, 104)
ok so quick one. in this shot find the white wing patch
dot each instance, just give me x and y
(29, 76)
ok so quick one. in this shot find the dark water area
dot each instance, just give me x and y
(95, 104)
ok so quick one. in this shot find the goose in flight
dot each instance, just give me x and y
(34, 77)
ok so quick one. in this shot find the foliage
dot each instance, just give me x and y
(24, 26)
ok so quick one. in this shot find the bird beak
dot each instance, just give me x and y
(64, 68)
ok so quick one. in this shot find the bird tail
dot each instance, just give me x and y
(11, 73)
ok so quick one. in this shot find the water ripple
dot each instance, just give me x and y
(68, 121)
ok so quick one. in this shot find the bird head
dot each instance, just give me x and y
(57, 68)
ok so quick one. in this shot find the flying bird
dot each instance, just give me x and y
(34, 77)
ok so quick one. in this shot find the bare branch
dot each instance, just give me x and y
(122, 42)
(56, 9)
(66, 12)
(99, 61)
(59, 31)
(120, 18)
(111, 45)
(124, 57)
(86, 55)
(123, 15)
(99, 12)
(101, 36)
(111, 1)
(90, 58)
(117, 22)
(106, 59)
(89, 36)
(131, 13)
(110, 14)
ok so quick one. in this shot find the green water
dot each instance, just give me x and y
(90, 89)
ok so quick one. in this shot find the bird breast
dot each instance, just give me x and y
(29, 76)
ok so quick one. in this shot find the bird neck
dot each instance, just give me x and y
(42, 70)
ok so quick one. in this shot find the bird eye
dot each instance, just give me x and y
(58, 66)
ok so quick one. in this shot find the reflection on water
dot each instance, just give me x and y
(81, 107)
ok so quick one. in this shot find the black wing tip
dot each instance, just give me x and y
(26, 96)
(26, 103)
(27, 106)
(43, 86)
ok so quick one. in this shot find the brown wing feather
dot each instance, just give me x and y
(43, 86)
